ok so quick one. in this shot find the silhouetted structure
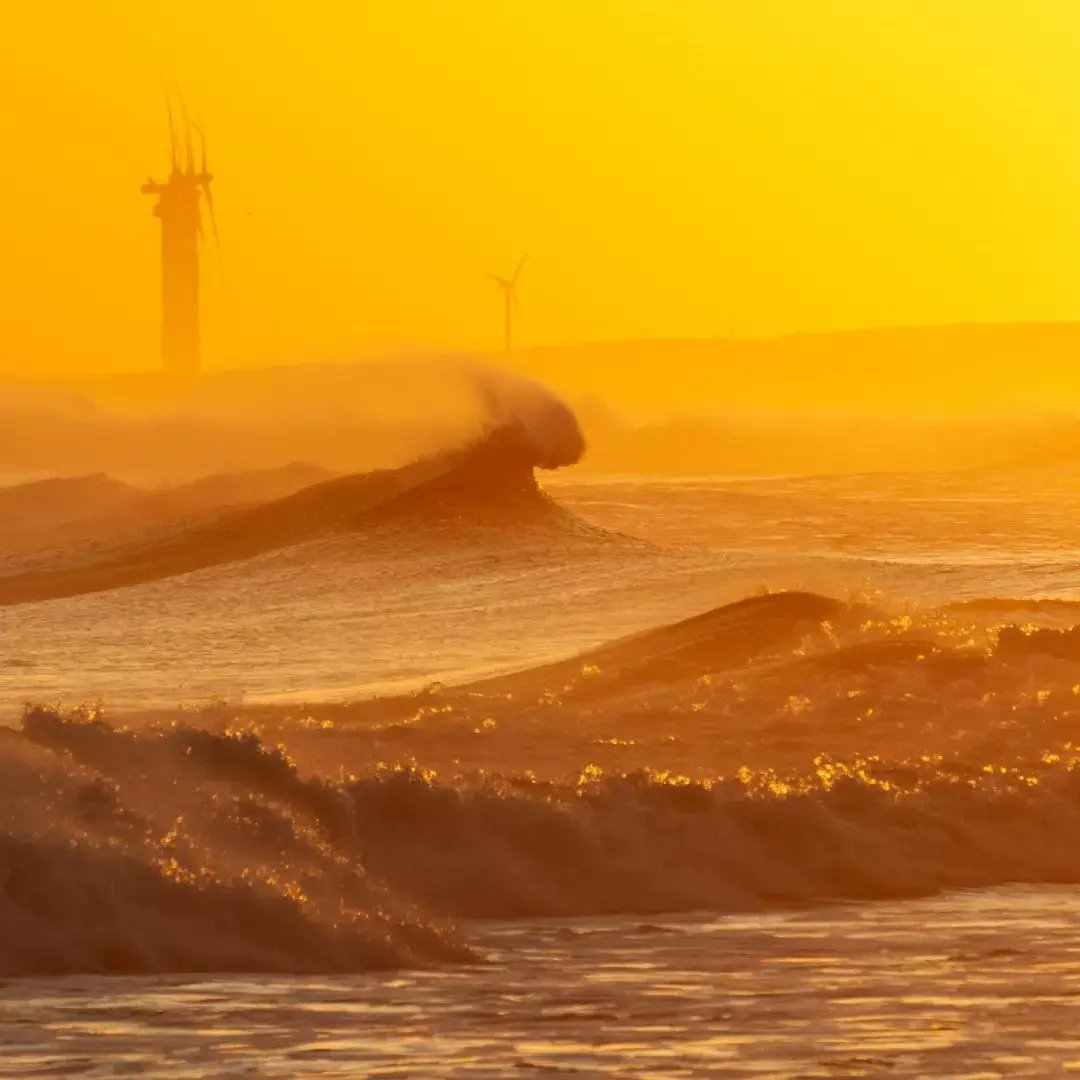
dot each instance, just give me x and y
(181, 229)
(510, 300)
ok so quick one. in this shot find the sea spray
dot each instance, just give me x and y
(485, 476)
(181, 848)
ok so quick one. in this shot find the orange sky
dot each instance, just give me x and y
(674, 167)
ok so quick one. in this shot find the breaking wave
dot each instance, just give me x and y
(186, 849)
(488, 482)
(182, 850)
(940, 762)
(241, 864)
(648, 842)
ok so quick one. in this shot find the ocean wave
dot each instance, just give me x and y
(79, 909)
(488, 482)
(183, 851)
(63, 499)
(180, 847)
(785, 749)
(646, 842)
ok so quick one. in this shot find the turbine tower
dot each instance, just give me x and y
(177, 209)
(510, 300)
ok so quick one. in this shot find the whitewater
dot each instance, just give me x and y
(461, 768)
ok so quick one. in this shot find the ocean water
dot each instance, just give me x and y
(340, 616)
(734, 777)
(981, 984)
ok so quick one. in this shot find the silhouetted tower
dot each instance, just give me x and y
(178, 211)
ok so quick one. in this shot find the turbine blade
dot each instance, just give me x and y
(500, 281)
(517, 272)
(189, 149)
(213, 217)
(202, 149)
(172, 132)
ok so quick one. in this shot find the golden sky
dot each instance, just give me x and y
(673, 167)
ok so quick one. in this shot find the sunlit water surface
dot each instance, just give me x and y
(982, 984)
(348, 616)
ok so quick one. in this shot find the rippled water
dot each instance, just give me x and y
(350, 615)
(982, 984)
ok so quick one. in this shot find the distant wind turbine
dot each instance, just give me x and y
(179, 211)
(510, 299)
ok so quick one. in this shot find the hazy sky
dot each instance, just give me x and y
(674, 168)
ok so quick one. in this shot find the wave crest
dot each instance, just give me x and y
(185, 848)
(541, 423)
(487, 481)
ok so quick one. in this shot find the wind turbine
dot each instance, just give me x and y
(510, 299)
(178, 210)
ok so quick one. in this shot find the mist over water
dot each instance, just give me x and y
(342, 417)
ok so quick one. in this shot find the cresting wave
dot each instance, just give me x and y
(184, 849)
(204, 845)
(487, 482)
